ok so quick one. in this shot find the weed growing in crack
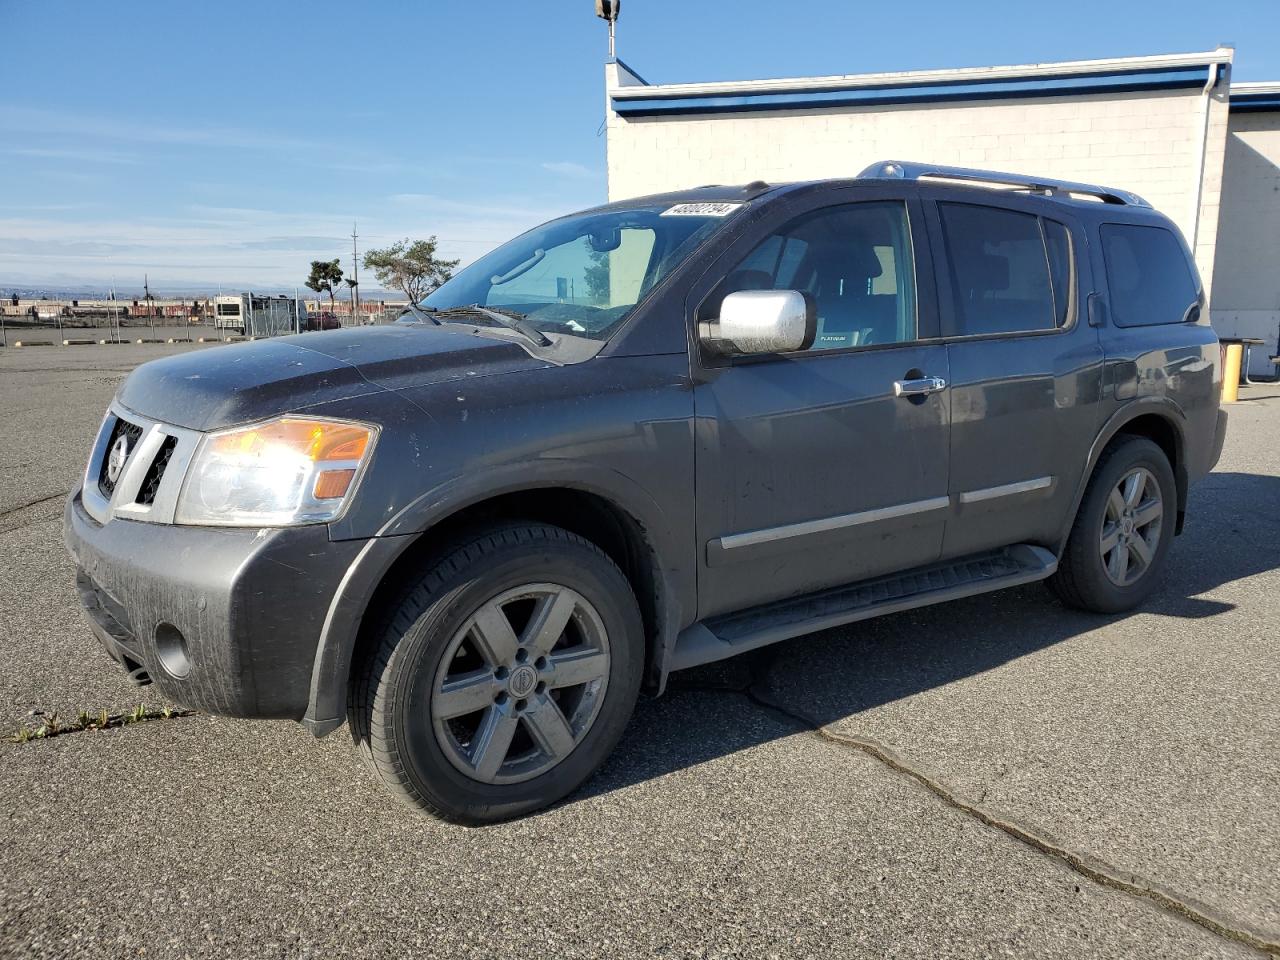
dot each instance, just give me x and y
(52, 726)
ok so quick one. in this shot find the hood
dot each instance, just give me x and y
(222, 386)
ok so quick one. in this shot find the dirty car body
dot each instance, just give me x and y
(928, 435)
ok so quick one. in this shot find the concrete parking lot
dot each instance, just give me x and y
(994, 777)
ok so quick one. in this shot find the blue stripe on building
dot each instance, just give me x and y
(1254, 102)
(979, 89)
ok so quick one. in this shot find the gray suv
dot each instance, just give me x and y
(645, 437)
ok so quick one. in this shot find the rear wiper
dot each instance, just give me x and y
(516, 322)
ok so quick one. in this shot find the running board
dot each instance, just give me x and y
(736, 633)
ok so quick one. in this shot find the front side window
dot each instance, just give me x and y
(580, 275)
(855, 261)
(1148, 276)
(1010, 272)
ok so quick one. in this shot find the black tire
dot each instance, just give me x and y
(390, 706)
(1081, 580)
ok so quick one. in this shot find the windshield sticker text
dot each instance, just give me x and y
(717, 209)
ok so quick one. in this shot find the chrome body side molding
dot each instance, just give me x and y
(771, 534)
(1006, 490)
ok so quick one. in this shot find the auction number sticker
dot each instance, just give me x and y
(707, 209)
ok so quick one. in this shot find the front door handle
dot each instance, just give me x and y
(920, 387)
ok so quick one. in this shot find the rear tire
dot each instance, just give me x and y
(1122, 533)
(503, 678)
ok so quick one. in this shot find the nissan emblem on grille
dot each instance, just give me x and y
(119, 454)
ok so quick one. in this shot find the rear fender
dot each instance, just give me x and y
(1167, 410)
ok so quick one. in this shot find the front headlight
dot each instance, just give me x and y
(290, 470)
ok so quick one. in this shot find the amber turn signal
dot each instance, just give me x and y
(331, 484)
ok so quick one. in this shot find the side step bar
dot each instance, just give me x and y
(727, 636)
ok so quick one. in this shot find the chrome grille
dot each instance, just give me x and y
(147, 486)
(155, 472)
(131, 432)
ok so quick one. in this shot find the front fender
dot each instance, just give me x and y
(326, 709)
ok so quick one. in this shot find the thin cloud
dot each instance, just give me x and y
(430, 201)
(151, 130)
(567, 168)
(78, 155)
(237, 245)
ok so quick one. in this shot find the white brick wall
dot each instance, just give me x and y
(1246, 276)
(1146, 142)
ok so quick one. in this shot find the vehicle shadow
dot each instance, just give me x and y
(1233, 532)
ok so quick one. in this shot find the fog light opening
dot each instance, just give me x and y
(171, 651)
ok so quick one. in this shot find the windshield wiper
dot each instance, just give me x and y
(422, 313)
(512, 321)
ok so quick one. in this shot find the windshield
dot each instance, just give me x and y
(583, 274)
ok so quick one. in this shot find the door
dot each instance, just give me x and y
(829, 465)
(1025, 368)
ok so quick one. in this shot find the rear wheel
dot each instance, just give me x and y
(1122, 533)
(505, 676)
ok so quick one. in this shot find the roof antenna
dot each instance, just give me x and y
(608, 10)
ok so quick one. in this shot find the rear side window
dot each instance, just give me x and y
(1147, 274)
(1011, 272)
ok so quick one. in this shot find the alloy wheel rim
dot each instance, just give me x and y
(1131, 527)
(521, 683)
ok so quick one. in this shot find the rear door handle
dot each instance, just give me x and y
(920, 387)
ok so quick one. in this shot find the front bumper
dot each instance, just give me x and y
(250, 606)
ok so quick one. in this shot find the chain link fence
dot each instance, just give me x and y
(55, 322)
(41, 323)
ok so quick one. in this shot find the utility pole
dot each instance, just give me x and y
(115, 316)
(355, 277)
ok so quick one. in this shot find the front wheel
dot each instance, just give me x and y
(1122, 533)
(505, 676)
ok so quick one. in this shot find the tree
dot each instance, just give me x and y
(597, 275)
(411, 266)
(325, 277)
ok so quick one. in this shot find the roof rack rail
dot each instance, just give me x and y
(905, 170)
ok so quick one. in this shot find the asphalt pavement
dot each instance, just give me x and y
(993, 777)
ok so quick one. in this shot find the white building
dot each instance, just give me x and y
(1173, 129)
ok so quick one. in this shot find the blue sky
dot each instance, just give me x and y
(233, 142)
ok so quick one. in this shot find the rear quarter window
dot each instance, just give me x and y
(1148, 276)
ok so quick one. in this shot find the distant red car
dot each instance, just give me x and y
(323, 321)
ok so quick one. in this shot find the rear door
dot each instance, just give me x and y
(812, 470)
(1025, 366)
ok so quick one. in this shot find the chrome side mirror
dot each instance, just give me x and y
(761, 321)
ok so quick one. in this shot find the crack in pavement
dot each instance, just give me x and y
(13, 519)
(34, 503)
(1093, 868)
